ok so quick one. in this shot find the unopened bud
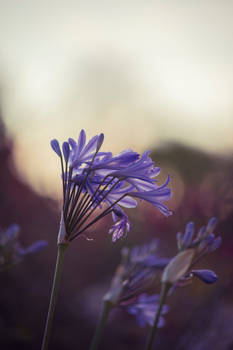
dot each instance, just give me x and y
(178, 266)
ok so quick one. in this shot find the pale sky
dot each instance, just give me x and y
(142, 72)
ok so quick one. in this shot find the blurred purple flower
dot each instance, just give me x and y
(92, 178)
(202, 243)
(137, 271)
(11, 252)
(145, 308)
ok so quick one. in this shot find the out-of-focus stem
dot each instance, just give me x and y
(163, 295)
(56, 280)
(106, 306)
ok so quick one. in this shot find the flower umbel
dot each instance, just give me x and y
(179, 271)
(202, 243)
(92, 178)
(11, 251)
(137, 271)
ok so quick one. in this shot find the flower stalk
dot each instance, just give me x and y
(56, 281)
(162, 299)
(106, 307)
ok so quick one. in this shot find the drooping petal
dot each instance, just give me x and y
(207, 276)
(121, 227)
(155, 197)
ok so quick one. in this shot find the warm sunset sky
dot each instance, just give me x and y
(143, 72)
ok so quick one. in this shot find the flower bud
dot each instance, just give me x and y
(178, 266)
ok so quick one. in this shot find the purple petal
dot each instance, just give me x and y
(33, 248)
(216, 244)
(145, 309)
(122, 225)
(100, 141)
(188, 236)
(11, 234)
(90, 147)
(81, 142)
(72, 143)
(207, 276)
(211, 225)
(66, 150)
(56, 147)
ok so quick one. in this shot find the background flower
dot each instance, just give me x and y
(11, 251)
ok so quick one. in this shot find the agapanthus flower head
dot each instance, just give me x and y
(192, 247)
(138, 269)
(98, 180)
(144, 308)
(204, 241)
(11, 251)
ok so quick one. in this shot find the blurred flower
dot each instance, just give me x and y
(11, 252)
(92, 178)
(136, 272)
(204, 241)
(145, 308)
(191, 249)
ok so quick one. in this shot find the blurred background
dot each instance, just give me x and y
(150, 75)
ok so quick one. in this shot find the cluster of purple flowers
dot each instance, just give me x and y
(92, 178)
(137, 271)
(11, 252)
(202, 243)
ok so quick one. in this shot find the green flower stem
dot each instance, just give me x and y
(106, 307)
(56, 280)
(163, 295)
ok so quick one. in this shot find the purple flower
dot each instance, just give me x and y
(138, 269)
(11, 252)
(201, 244)
(145, 308)
(121, 226)
(204, 241)
(92, 178)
